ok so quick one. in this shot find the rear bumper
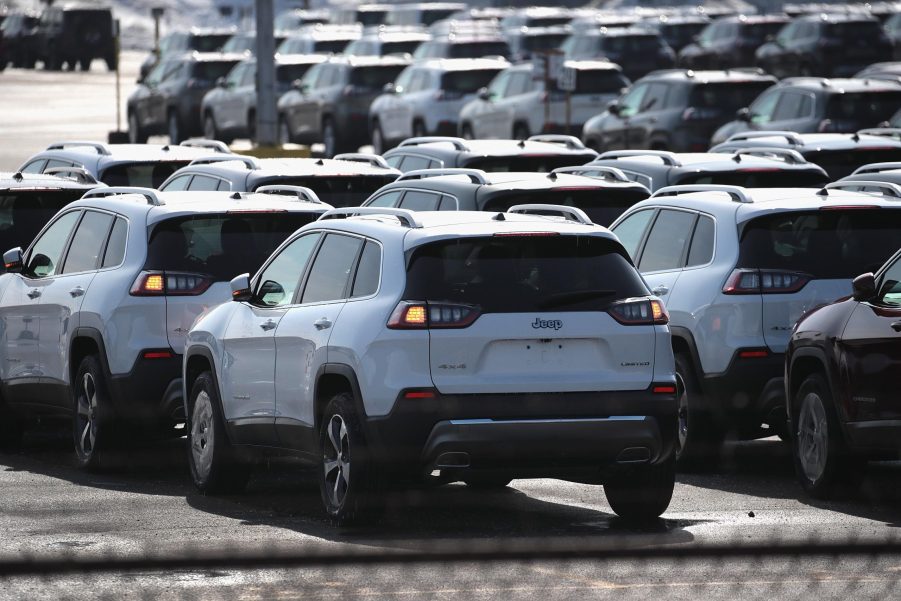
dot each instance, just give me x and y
(150, 394)
(748, 393)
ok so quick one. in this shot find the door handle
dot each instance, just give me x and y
(660, 290)
(76, 292)
(897, 326)
(268, 325)
(322, 323)
(34, 293)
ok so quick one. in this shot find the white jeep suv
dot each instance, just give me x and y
(386, 346)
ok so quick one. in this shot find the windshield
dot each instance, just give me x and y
(467, 82)
(210, 71)
(408, 47)
(375, 78)
(758, 178)
(330, 46)
(338, 191)
(535, 163)
(145, 175)
(208, 43)
(478, 50)
(288, 73)
(602, 205)
(24, 213)
(839, 163)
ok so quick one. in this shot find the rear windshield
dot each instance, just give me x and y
(408, 47)
(23, 214)
(145, 175)
(532, 163)
(524, 274)
(860, 30)
(839, 163)
(602, 205)
(375, 78)
(823, 244)
(288, 73)
(758, 178)
(339, 191)
(371, 17)
(865, 107)
(726, 98)
(681, 34)
(208, 43)
(330, 46)
(757, 32)
(222, 246)
(478, 50)
(601, 81)
(212, 70)
(467, 82)
(547, 21)
(548, 41)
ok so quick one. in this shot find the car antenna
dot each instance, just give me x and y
(499, 217)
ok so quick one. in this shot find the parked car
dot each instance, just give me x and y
(601, 193)
(517, 105)
(75, 34)
(177, 43)
(229, 109)
(828, 45)
(679, 30)
(19, 31)
(737, 268)
(527, 41)
(837, 154)
(464, 45)
(749, 168)
(246, 42)
(422, 13)
(539, 153)
(426, 99)
(101, 302)
(296, 18)
(146, 165)
(168, 101)
(374, 401)
(637, 50)
(730, 42)
(347, 180)
(331, 103)
(674, 110)
(387, 41)
(367, 15)
(320, 39)
(876, 173)
(537, 16)
(885, 70)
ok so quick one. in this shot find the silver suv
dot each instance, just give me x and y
(97, 309)
(439, 346)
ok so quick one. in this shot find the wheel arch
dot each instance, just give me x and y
(85, 342)
(683, 342)
(805, 362)
(196, 361)
(332, 379)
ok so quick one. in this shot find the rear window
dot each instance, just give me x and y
(839, 163)
(223, 245)
(602, 205)
(758, 178)
(478, 50)
(757, 32)
(208, 43)
(524, 274)
(824, 244)
(330, 46)
(408, 47)
(604, 81)
(467, 82)
(549, 41)
(23, 214)
(288, 73)
(726, 98)
(145, 175)
(526, 162)
(375, 78)
(868, 30)
(339, 191)
(621, 44)
(865, 107)
(212, 70)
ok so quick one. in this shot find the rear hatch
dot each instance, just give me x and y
(523, 313)
(194, 257)
(801, 260)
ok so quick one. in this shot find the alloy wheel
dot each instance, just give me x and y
(813, 437)
(86, 416)
(336, 461)
(202, 435)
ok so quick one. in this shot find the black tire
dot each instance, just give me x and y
(92, 424)
(251, 127)
(419, 129)
(487, 481)
(817, 430)
(85, 64)
(699, 439)
(466, 132)
(135, 134)
(642, 494)
(284, 131)
(347, 494)
(52, 62)
(213, 461)
(520, 132)
(11, 430)
(173, 128)
(210, 131)
(330, 138)
(111, 62)
(379, 145)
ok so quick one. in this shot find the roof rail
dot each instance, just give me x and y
(599, 171)
(363, 157)
(100, 147)
(301, 192)
(667, 157)
(250, 162)
(887, 188)
(81, 175)
(885, 132)
(786, 154)
(736, 193)
(149, 193)
(477, 176)
(790, 136)
(458, 143)
(876, 168)
(571, 142)
(216, 145)
(407, 217)
(569, 213)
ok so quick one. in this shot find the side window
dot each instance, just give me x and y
(236, 75)
(641, 178)
(666, 242)
(249, 77)
(203, 183)
(178, 184)
(762, 109)
(403, 80)
(412, 163)
(388, 199)
(369, 270)
(224, 186)
(45, 254)
(58, 163)
(115, 248)
(420, 201)
(447, 204)
(331, 269)
(890, 287)
(655, 98)
(498, 85)
(790, 106)
(34, 166)
(702, 242)
(708, 34)
(632, 100)
(279, 281)
(395, 160)
(520, 83)
(88, 242)
(631, 229)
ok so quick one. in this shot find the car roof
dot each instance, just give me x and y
(40, 181)
(370, 61)
(397, 36)
(464, 64)
(515, 180)
(838, 17)
(207, 57)
(805, 142)
(842, 85)
(288, 167)
(98, 152)
(490, 148)
(711, 161)
(712, 76)
(754, 19)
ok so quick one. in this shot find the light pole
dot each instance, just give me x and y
(266, 112)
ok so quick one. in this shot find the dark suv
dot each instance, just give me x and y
(18, 33)
(674, 110)
(730, 42)
(836, 45)
(638, 51)
(74, 34)
(193, 40)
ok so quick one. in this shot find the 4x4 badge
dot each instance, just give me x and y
(539, 324)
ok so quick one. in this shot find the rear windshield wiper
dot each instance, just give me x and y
(565, 298)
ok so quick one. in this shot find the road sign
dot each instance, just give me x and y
(566, 81)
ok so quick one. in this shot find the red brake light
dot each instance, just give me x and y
(413, 315)
(754, 354)
(525, 234)
(169, 283)
(664, 389)
(764, 281)
(420, 394)
(641, 311)
(157, 355)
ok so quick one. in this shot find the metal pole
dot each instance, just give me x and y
(118, 38)
(266, 111)
(569, 112)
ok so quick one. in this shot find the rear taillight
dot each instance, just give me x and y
(414, 315)
(764, 281)
(642, 311)
(169, 283)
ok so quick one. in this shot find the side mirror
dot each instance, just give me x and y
(613, 107)
(389, 88)
(864, 287)
(221, 83)
(271, 293)
(743, 114)
(241, 288)
(12, 260)
(484, 94)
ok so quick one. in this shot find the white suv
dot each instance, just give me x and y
(96, 311)
(737, 268)
(386, 346)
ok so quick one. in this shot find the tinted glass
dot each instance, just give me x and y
(667, 240)
(389, 199)
(331, 269)
(839, 163)
(701, 250)
(210, 71)
(725, 98)
(757, 32)
(478, 50)
(288, 73)
(824, 244)
(338, 191)
(145, 175)
(179, 183)
(330, 46)
(420, 201)
(203, 183)
(524, 274)
(221, 245)
(366, 281)
(115, 248)
(375, 78)
(854, 31)
(792, 106)
(549, 41)
(467, 82)
(529, 162)
(400, 47)
(208, 43)
(45, 255)
(869, 108)
(758, 178)
(890, 287)
(88, 243)
(632, 229)
(623, 45)
(602, 205)
(600, 82)
(411, 163)
(278, 283)
(34, 166)
(24, 213)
